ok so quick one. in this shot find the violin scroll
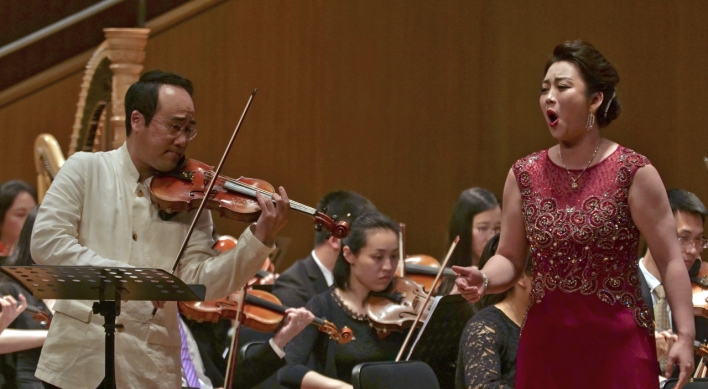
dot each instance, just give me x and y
(337, 229)
(346, 336)
(330, 329)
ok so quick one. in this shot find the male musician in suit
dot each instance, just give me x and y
(690, 215)
(98, 212)
(311, 276)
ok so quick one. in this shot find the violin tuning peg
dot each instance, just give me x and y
(335, 218)
(318, 227)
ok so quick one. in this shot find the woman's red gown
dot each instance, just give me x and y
(587, 325)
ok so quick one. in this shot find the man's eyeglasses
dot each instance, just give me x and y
(697, 243)
(176, 129)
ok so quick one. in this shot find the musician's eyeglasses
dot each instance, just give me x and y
(698, 243)
(488, 230)
(176, 129)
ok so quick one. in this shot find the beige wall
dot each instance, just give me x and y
(407, 102)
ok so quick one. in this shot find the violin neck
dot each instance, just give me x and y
(249, 190)
(265, 304)
(276, 307)
(429, 271)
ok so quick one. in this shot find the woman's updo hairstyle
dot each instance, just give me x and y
(358, 231)
(597, 72)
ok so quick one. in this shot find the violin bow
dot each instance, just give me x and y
(209, 189)
(401, 250)
(427, 300)
(233, 354)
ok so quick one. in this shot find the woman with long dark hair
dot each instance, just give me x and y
(475, 218)
(17, 198)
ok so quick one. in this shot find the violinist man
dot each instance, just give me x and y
(98, 212)
(311, 276)
(690, 215)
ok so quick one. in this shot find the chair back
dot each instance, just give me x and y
(696, 383)
(248, 348)
(394, 375)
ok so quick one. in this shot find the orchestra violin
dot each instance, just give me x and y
(262, 311)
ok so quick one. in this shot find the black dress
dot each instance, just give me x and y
(487, 356)
(18, 368)
(330, 358)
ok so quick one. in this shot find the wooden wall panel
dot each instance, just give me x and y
(50, 110)
(410, 102)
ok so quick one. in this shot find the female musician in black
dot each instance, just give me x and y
(17, 368)
(366, 264)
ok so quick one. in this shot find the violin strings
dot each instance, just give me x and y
(293, 204)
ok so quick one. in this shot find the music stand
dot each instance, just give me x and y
(438, 341)
(107, 285)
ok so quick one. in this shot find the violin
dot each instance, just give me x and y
(700, 350)
(262, 311)
(397, 308)
(182, 190)
(699, 288)
(422, 269)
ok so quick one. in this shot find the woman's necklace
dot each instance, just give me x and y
(350, 312)
(574, 184)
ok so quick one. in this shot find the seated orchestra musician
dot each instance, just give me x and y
(260, 363)
(98, 212)
(30, 329)
(10, 311)
(17, 198)
(487, 354)
(690, 215)
(475, 218)
(311, 276)
(366, 264)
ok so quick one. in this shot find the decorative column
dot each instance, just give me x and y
(126, 51)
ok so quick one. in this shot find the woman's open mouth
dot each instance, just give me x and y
(552, 117)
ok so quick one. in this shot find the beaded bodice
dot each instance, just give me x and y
(583, 240)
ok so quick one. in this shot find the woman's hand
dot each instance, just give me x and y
(10, 310)
(469, 282)
(681, 354)
(295, 321)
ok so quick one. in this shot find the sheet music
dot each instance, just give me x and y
(433, 305)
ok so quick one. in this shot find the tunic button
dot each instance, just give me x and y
(139, 193)
(135, 236)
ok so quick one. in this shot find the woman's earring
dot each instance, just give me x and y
(591, 122)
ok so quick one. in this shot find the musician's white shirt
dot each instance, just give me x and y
(96, 213)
